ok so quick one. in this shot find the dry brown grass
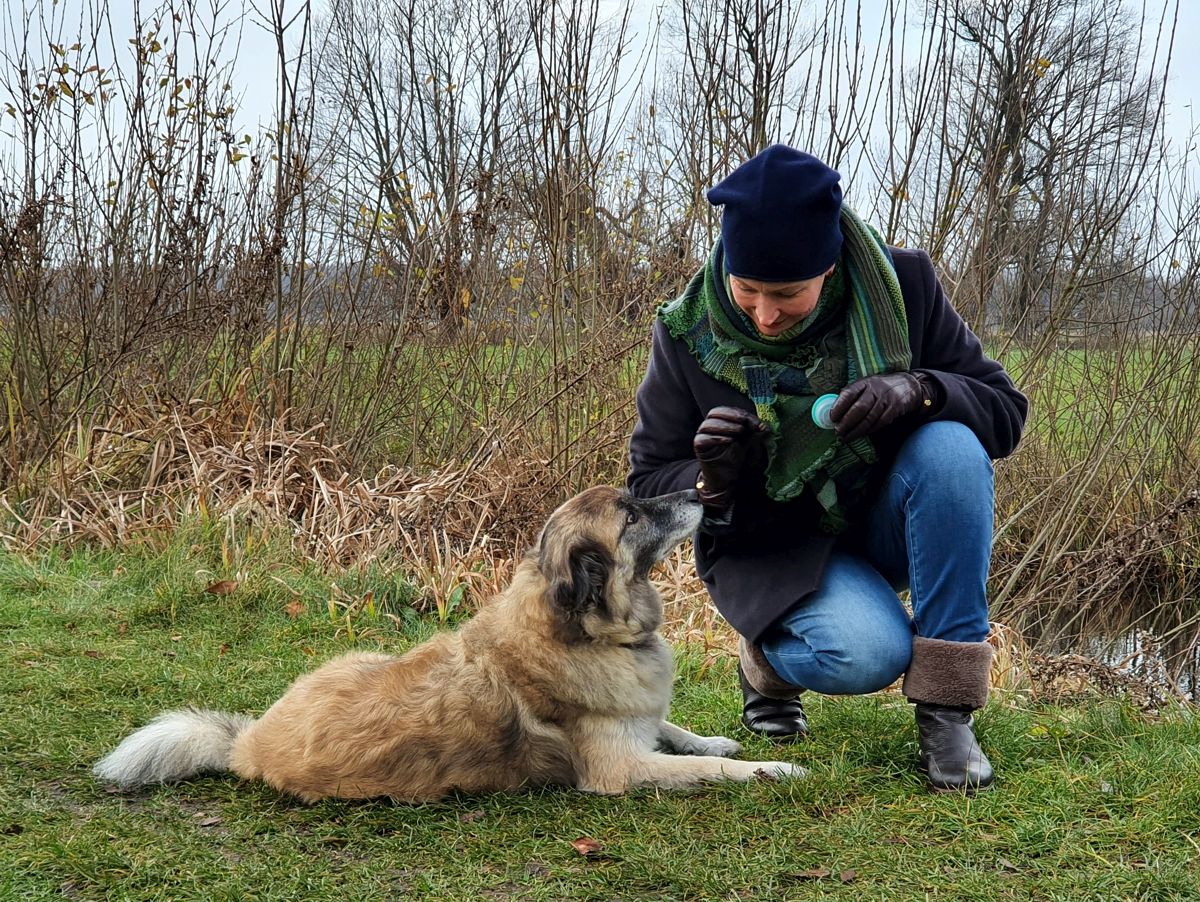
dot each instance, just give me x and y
(145, 471)
(689, 616)
(458, 531)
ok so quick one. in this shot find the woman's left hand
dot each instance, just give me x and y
(869, 404)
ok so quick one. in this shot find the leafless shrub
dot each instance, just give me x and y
(415, 304)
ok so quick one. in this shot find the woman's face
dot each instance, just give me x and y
(774, 307)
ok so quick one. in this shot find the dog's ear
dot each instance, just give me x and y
(584, 585)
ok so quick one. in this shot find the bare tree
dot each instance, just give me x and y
(1050, 132)
(421, 97)
(732, 87)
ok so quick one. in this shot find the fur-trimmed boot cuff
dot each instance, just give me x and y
(953, 674)
(761, 675)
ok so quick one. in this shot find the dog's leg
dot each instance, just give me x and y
(678, 771)
(616, 755)
(672, 738)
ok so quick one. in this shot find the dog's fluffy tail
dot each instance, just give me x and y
(174, 746)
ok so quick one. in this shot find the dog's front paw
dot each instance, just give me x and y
(717, 746)
(779, 770)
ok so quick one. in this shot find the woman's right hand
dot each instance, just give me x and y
(729, 442)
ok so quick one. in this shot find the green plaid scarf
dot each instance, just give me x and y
(859, 328)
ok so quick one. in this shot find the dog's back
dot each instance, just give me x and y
(414, 728)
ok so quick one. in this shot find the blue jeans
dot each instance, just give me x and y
(930, 531)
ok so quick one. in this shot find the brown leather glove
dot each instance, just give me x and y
(869, 404)
(729, 443)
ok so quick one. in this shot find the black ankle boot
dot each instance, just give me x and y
(950, 753)
(779, 719)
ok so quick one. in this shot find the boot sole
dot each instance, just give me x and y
(778, 738)
(965, 791)
(948, 790)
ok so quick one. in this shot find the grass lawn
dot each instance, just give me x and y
(1093, 802)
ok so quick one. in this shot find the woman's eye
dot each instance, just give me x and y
(631, 518)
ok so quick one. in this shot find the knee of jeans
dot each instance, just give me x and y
(948, 445)
(951, 453)
(871, 673)
(867, 667)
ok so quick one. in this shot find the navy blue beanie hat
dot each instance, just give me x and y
(781, 217)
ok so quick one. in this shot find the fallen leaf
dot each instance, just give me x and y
(848, 876)
(295, 608)
(1006, 865)
(221, 587)
(813, 874)
(471, 816)
(587, 847)
(224, 648)
(90, 653)
(210, 821)
(307, 650)
(122, 628)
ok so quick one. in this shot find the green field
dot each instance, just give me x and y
(1093, 802)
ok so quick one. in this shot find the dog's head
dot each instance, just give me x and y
(595, 554)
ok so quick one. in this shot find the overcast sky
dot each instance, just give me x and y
(1183, 85)
(255, 63)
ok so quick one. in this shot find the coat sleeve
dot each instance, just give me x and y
(975, 390)
(660, 450)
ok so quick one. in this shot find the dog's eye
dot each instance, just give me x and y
(631, 517)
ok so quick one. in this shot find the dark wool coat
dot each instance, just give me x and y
(773, 554)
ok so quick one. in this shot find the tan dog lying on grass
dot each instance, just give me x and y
(563, 679)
